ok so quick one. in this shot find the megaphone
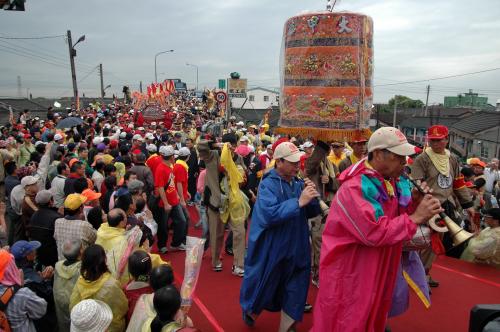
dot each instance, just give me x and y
(57, 104)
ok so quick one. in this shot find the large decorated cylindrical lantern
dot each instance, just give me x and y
(326, 75)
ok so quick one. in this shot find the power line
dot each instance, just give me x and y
(44, 52)
(33, 53)
(40, 37)
(440, 78)
(16, 52)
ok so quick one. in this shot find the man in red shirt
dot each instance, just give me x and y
(168, 203)
(181, 175)
(181, 180)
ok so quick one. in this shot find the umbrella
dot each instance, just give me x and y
(69, 122)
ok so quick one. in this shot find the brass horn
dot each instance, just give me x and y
(458, 234)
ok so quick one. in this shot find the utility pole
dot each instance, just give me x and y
(102, 81)
(140, 86)
(72, 54)
(395, 112)
(427, 100)
(19, 86)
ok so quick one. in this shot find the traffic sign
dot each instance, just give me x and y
(221, 97)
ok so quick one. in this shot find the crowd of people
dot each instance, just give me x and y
(89, 214)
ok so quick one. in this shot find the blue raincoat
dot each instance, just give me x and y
(278, 261)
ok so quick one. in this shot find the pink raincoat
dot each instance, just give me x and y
(361, 251)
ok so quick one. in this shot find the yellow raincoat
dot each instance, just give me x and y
(145, 312)
(238, 208)
(115, 242)
(120, 171)
(65, 278)
(108, 290)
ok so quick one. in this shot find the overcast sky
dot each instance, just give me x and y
(414, 40)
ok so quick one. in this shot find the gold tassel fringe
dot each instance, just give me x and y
(326, 135)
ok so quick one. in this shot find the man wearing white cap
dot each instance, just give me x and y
(181, 170)
(364, 234)
(58, 140)
(278, 261)
(308, 147)
(168, 203)
(29, 185)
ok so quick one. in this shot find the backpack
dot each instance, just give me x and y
(5, 298)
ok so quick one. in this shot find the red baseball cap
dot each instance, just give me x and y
(437, 132)
(359, 137)
(278, 142)
(27, 136)
(113, 144)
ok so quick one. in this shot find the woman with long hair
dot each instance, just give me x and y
(95, 282)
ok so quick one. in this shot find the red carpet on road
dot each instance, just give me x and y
(462, 285)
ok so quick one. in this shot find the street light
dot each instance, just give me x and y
(190, 64)
(156, 55)
(82, 38)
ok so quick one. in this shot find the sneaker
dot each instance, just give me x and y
(163, 250)
(308, 307)
(248, 320)
(190, 203)
(217, 268)
(180, 247)
(229, 251)
(238, 271)
(432, 282)
(315, 282)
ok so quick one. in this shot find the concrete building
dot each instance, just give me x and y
(257, 99)
(477, 135)
(468, 99)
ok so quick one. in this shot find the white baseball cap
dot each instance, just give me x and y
(244, 138)
(97, 140)
(287, 151)
(137, 137)
(307, 144)
(167, 150)
(123, 134)
(391, 139)
(28, 181)
(58, 137)
(150, 136)
(151, 148)
(184, 151)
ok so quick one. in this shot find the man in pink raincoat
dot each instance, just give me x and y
(362, 242)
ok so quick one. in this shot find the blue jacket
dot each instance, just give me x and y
(278, 261)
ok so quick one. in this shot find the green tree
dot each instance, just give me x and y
(405, 102)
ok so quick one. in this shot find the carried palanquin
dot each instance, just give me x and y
(326, 75)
